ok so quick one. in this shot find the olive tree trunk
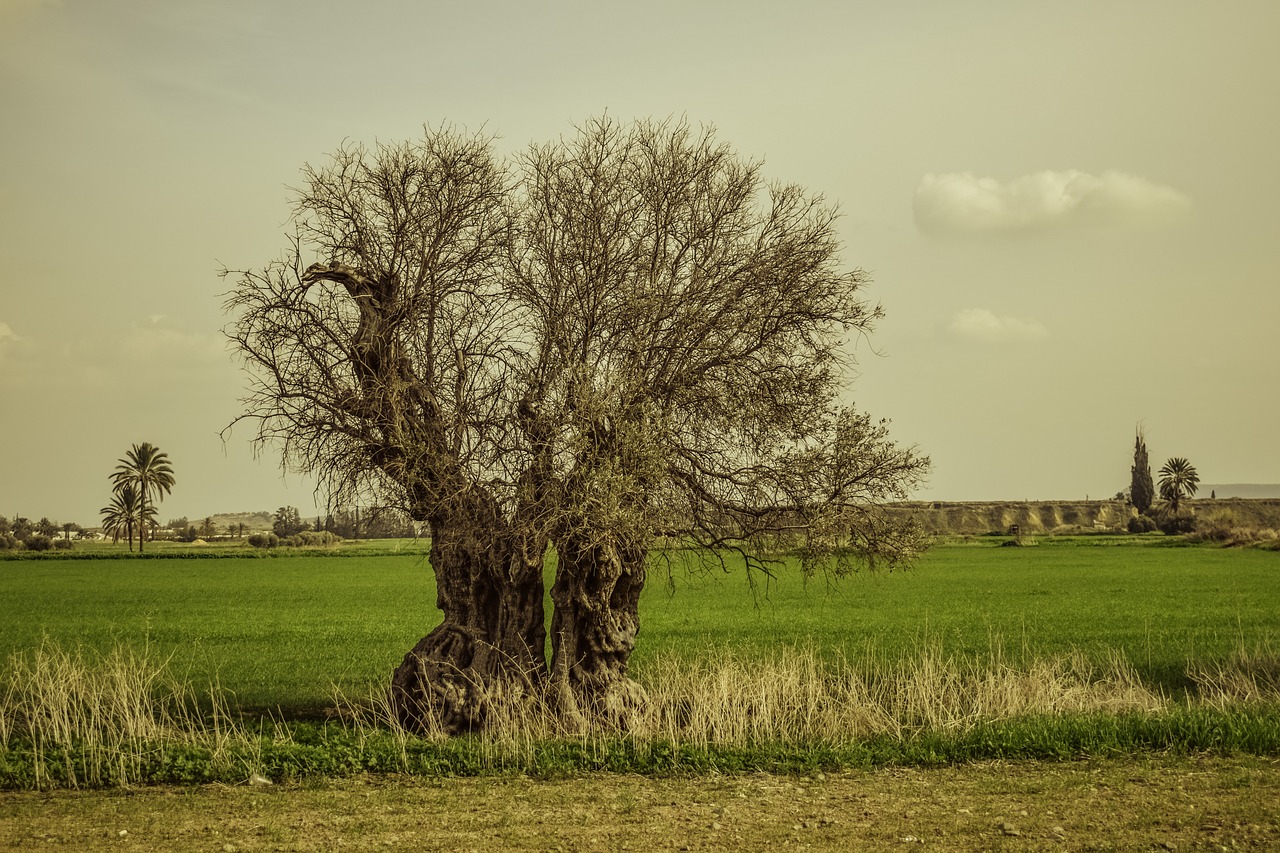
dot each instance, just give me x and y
(491, 645)
(593, 631)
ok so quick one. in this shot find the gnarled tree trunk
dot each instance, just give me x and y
(491, 645)
(593, 630)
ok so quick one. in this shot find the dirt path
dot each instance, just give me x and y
(1154, 803)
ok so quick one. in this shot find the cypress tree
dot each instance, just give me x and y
(1141, 490)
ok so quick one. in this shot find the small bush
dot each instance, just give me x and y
(1174, 524)
(263, 540)
(1142, 524)
(313, 539)
(62, 544)
(1233, 537)
(38, 542)
(9, 542)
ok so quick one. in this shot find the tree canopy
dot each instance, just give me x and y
(618, 339)
(1178, 481)
(149, 472)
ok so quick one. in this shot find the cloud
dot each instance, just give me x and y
(983, 326)
(157, 341)
(8, 339)
(962, 204)
(14, 356)
(155, 347)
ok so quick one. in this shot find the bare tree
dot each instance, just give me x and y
(609, 341)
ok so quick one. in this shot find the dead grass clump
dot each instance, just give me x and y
(798, 696)
(1248, 675)
(93, 719)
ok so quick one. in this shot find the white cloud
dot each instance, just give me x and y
(984, 326)
(963, 204)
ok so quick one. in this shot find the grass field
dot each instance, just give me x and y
(279, 632)
(222, 664)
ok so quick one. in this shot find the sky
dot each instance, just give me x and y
(1070, 212)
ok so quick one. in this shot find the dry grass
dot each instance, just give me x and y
(798, 696)
(95, 719)
(795, 696)
(1244, 677)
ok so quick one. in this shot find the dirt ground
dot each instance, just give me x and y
(1159, 803)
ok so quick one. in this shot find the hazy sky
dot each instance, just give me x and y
(1071, 212)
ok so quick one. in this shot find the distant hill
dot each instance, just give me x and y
(254, 522)
(979, 517)
(1239, 490)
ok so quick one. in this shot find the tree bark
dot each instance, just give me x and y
(491, 645)
(593, 631)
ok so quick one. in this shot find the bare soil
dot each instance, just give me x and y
(1160, 803)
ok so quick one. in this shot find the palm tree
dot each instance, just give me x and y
(147, 468)
(121, 515)
(1178, 480)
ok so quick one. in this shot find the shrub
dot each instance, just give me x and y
(264, 540)
(1218, 532)
(1175, 523)
(9, 542)
(1142, 524)
(38, 542)
(62, 544)
(313, 539)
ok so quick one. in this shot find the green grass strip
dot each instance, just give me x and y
(304, 751)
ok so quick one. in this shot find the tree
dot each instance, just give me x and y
(47, 528)
(288, 522)
(1178, 480)
(122, 515)
(1141, 490)
(611, 342)
(148, 469)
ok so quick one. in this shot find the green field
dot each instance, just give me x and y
(279, 632)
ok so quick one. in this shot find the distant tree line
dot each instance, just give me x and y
(374, 522)
(24, 534)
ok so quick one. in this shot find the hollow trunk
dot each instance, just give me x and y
(492, 643)
(593, 630)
